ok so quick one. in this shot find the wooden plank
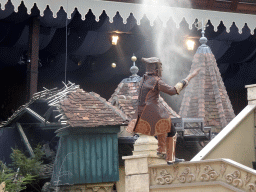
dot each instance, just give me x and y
(82, 161)
(76, 159)
(110, 158)
(88, 159)
(99, 157)
(70, 154)
(93, 159)
(115, 158)
(25, 140)
(104, 157)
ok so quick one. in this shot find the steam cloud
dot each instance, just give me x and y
(169, 47)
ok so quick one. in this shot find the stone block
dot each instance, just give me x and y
(151, 153)
(136, 166)
(251, 102)
(145, 147)
(251, 92)
(137, 183)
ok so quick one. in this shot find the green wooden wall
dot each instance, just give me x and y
(86, 158)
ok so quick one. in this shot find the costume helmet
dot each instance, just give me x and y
(153, 65)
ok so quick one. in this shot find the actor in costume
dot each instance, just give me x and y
(151, 117)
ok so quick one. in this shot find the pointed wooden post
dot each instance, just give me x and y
(32, 60)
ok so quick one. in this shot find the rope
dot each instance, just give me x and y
(66, 59)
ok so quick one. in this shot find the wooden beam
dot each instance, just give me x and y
(25, 140)
(214, 5)
(32, 60)
(36, 115)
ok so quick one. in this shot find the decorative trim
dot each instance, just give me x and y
(209, 175)
(198, 168)
(252, 187)
(234, 179)
(154, 173)
(186, 176)
(231, 175)
(176, 171)
(223, 168)
(164, 13)
(164, 178)
(247, 178)
(107, 187)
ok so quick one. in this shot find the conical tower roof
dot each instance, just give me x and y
(126, 94)
(206, 96)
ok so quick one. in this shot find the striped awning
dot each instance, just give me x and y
(151, 11)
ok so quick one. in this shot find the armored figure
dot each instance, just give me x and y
(151, 117)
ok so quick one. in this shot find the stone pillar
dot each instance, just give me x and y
(137, 166)
(251, 94)
(146, 145)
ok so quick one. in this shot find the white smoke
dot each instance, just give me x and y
(169, 47)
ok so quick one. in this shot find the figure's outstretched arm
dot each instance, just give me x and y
(162, 86)
(181, 85)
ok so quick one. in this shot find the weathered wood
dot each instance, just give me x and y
(36, 115)
(32, 62)
(214, 5)
(89, 157)
(25, 140)
(233, 5)
(210, 3)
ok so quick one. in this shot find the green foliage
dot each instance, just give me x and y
(13, 180)
(29, 169)
(27, 166)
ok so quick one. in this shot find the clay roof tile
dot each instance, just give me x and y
(89, 110)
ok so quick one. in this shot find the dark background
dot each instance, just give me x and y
(90, 53)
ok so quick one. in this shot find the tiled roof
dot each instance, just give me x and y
(206, 96)
(83, 109)
(76, 107)
(126, 94)
(49, 95)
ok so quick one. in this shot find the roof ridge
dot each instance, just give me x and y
(117, 90)
(108, 104)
